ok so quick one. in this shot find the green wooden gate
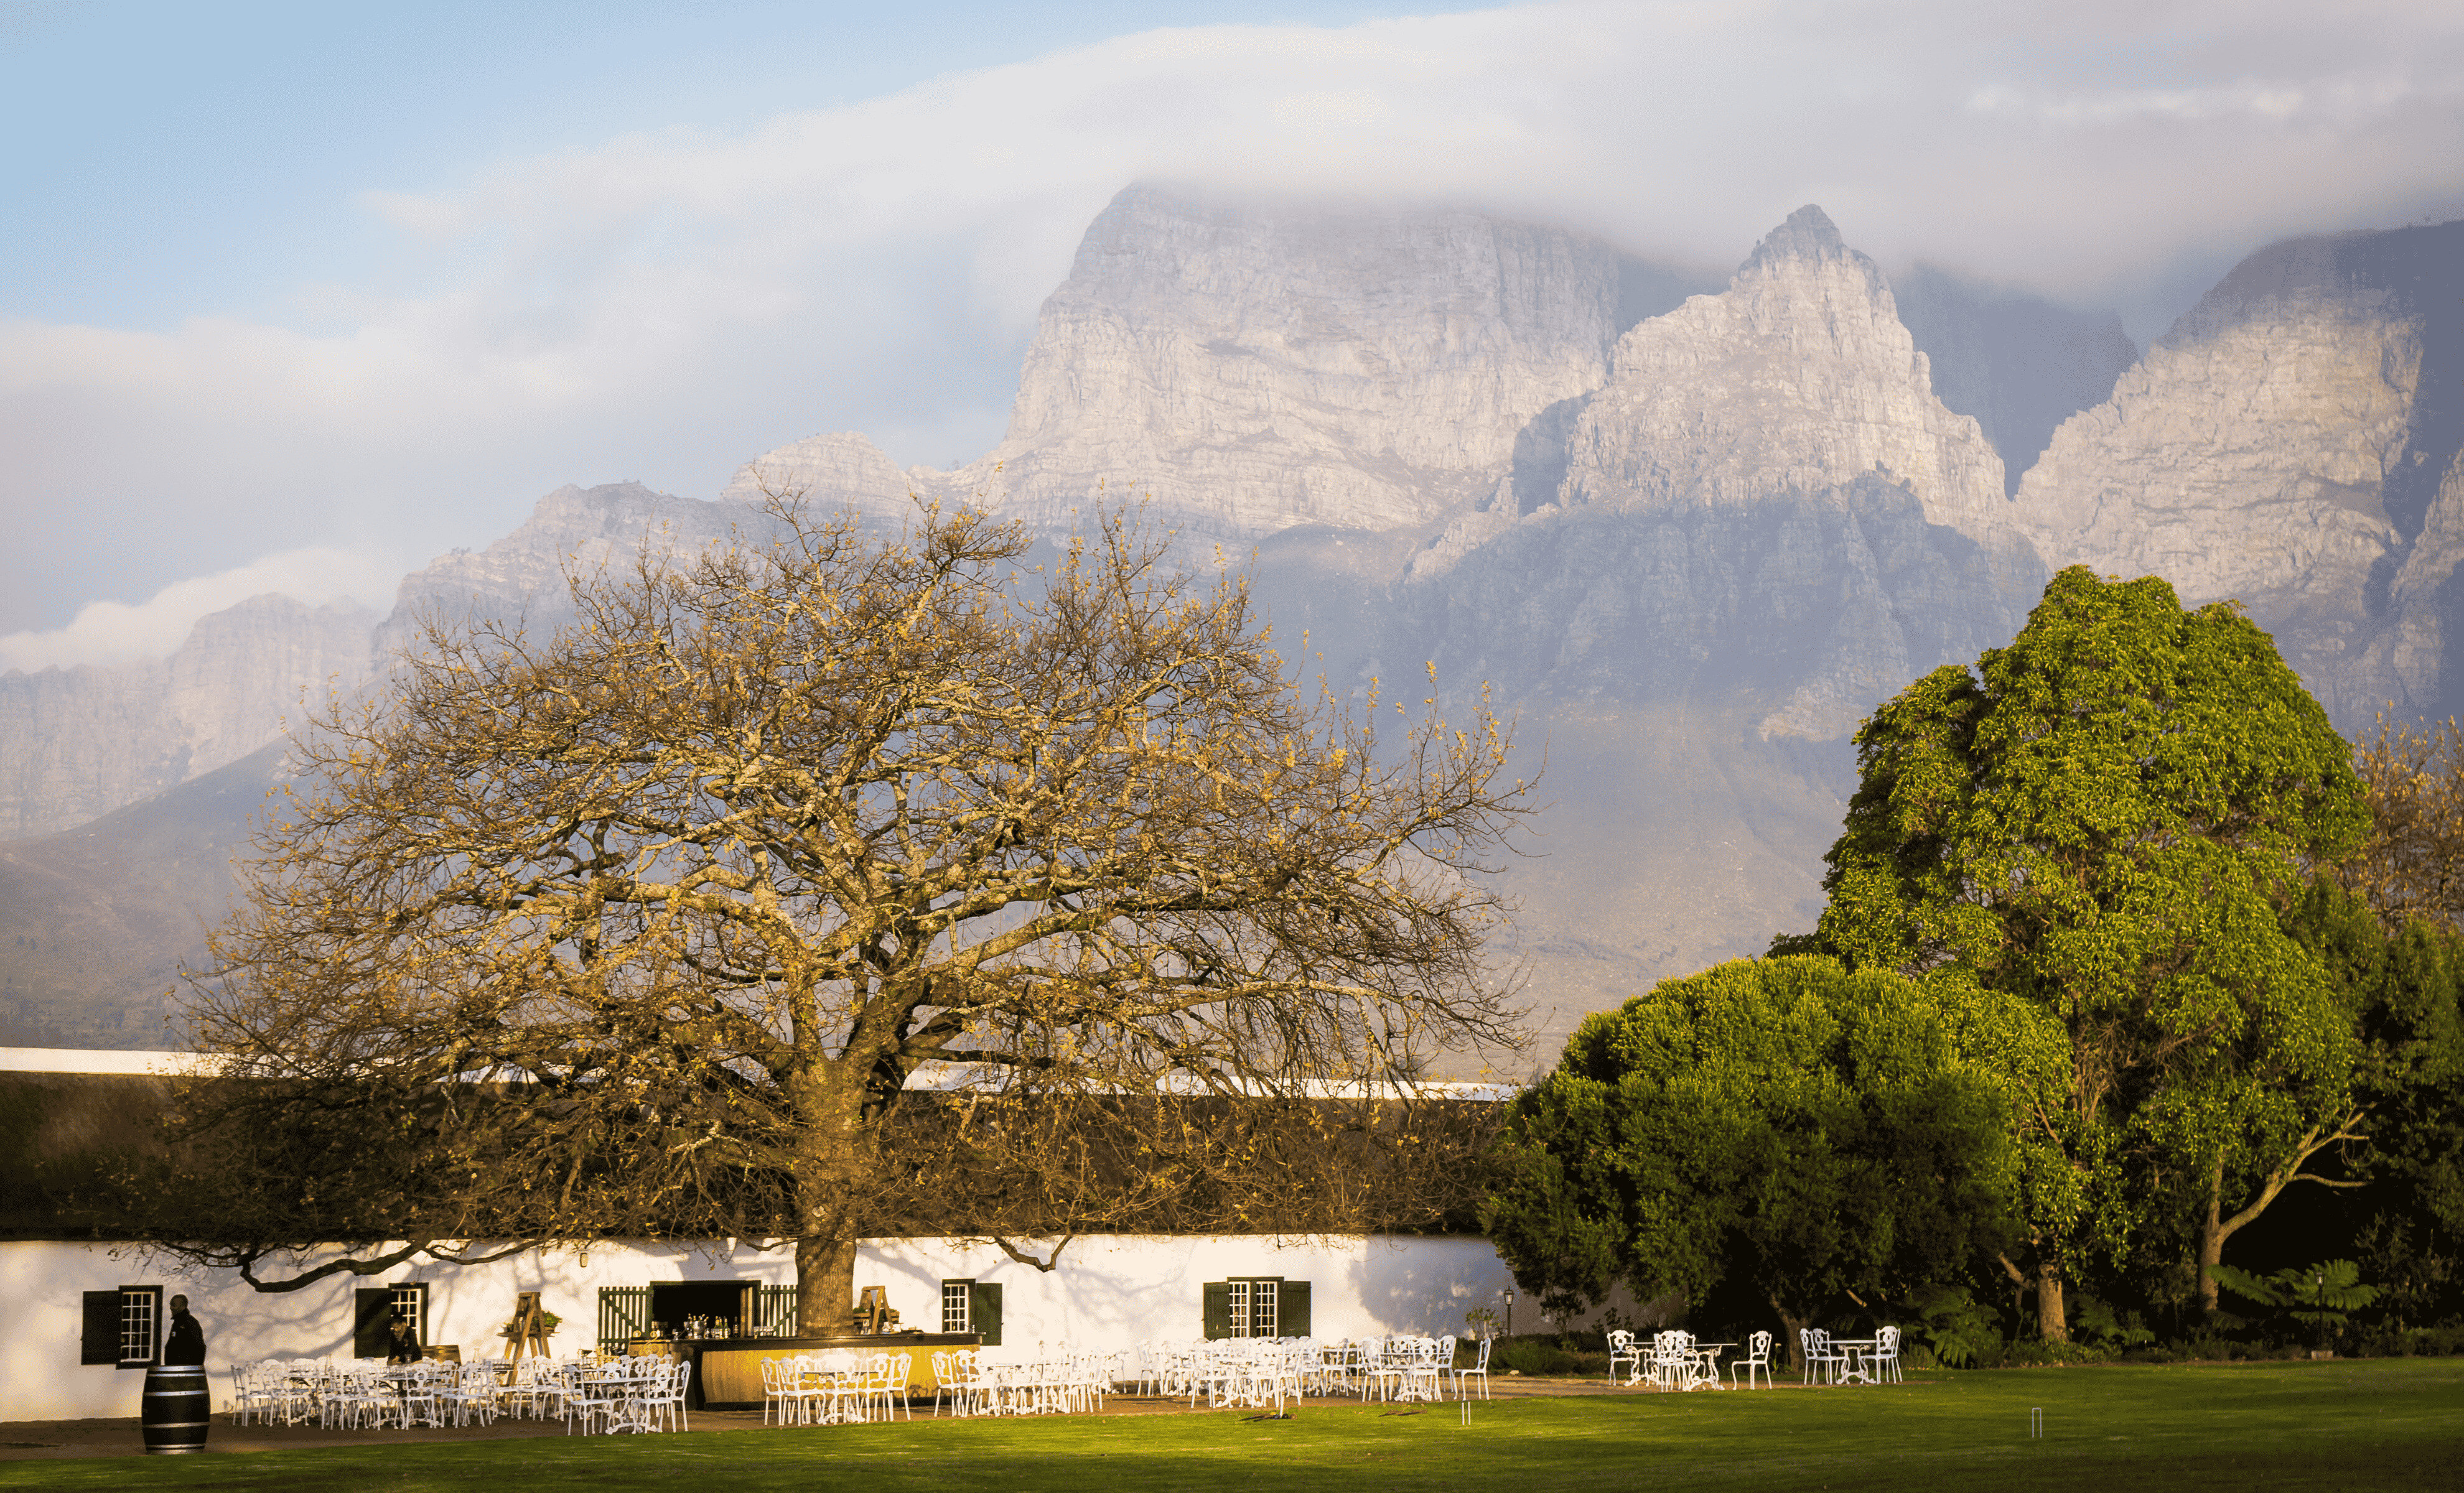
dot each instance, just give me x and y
(774, 1311)
(624, 1311)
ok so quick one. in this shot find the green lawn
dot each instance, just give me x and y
(2389, 1423)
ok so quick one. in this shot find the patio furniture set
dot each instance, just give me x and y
(1676, 1360)
(590, 1395)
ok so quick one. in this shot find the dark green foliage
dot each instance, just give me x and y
(1820, 1131)
(2105, 817)
(2316, 1296)
(2405, 990)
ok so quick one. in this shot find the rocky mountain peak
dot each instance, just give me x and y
(77, 742)
(1807, 233)
(840, 469)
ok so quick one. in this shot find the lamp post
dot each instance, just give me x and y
(1510, 1313)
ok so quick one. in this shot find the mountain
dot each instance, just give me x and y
(521, 578)
(2018, 365)
(1765, 523)
(1690, 529)
(2292, 443)
(96, 921)
(1250, 367)
(78, 742)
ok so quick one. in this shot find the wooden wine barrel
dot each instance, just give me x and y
(176, 1409)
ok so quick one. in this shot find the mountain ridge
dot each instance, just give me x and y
(1691, 529)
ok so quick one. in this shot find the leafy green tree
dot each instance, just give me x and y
(2106, 818)
(2405, 986)
(1826, 1133)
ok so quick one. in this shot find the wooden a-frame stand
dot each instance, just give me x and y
(529, 1334)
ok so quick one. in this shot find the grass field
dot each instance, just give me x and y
(2395, 1423)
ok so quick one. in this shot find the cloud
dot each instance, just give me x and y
(114, 632)
(668, 303)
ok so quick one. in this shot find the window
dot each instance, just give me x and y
(141, 1309)
(1253, 1307)
(410, 1300)
(1257, 1307)
(124, 1328)
(973, 1306)
(373, 1309)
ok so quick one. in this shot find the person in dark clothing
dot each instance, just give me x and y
(186, 1342)
(404, 1346)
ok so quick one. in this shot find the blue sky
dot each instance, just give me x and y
(189, 159)
(294, 297)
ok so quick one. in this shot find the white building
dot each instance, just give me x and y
(76, 1320)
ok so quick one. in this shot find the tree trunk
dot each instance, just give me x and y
(829, 1172)
(2212, 1238)
(1790, 1328)
(2052, 1324)
(824, 1284)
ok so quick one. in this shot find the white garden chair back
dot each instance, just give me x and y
(1756, 1359)
(1478, 1369)
(1823, 1363)
(1886, 1354)
(1623, 1351)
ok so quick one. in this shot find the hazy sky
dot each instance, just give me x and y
(296, 296)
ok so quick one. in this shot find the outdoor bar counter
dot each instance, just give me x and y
(727, 1371)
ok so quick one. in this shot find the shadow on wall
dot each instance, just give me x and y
(1408, 1286)
(1094, 1295)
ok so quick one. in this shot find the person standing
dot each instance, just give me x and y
(186, 1342)
(177, 1406)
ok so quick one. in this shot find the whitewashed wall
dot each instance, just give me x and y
(1107, 1292)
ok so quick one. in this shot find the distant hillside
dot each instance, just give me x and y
(95, 922)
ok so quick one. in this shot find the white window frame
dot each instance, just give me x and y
(141, 1324)
(956, 1307)
(1247, 1297)
(410, 1299)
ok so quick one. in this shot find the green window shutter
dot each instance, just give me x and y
(1292, 1310)
(99, 1341)
(984, 1310)
(371, 1311)
(1218, 1309)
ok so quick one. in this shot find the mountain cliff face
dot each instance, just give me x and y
(842, 470)
(1256, 366)
(1766, 493)
(76, 743)
(2291, 444)
(2019, 365)
(1764, 524)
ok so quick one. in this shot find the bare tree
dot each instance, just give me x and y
(652, 927)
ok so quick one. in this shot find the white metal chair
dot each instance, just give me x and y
(1884, 1361)
(1677, 1364)
(1622, 1351)
(663, 1397)
(1479, 1370)
(1819, 1358)
(1757, 1358)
